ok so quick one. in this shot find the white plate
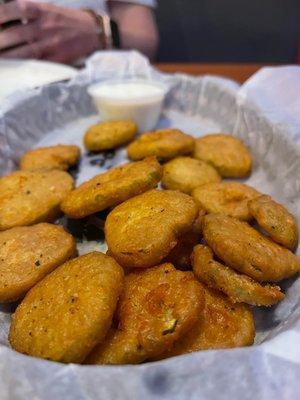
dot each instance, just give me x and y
(22, 74)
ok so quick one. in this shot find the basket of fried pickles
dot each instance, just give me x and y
(191, 249)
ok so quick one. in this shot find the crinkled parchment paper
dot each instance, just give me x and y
(265, 113)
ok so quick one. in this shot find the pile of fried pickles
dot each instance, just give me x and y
(185, 262)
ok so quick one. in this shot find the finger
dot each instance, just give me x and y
(19, 52)
(18, 10)
(17, 35)
(9, 12)
(37, 50)
(33, 50)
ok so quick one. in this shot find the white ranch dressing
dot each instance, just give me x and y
(128, 91)
(139, 100)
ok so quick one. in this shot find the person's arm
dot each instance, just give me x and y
(65, 35)
(48, 32)
(137, 27)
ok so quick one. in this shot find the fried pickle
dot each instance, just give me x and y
(223, 325)
(112, 187)
(238, 287)
(185, 174)
(158, 306)
(248, 251)
(163, 143)
(29, 197)
(27, 254)
(119, 347)
(229, 198)
(226, 153)
(275, 220)
(142, 231)
(109, 135)
(54, 157)
(70, 311)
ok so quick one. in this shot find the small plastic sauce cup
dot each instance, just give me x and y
(139, 100)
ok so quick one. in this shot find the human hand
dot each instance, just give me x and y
(47, 32)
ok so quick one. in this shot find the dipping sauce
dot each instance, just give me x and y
(139, 100)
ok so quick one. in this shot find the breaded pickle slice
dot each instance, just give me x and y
(223, 325)
(142, 231)
(28, 253)
(186, 173)
(275, 220)
(229, 198)
(163, 143)
(158, 306)
(239, 288)
(226, 153)
(112, 188)
(29, 197)
(67, 313)
(109, 135)
(248, 251)
(54, 157)
(119, 347)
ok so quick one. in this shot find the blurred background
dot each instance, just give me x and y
(260, 31)
(233, 38)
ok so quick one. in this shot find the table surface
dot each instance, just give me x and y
(237, 72)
